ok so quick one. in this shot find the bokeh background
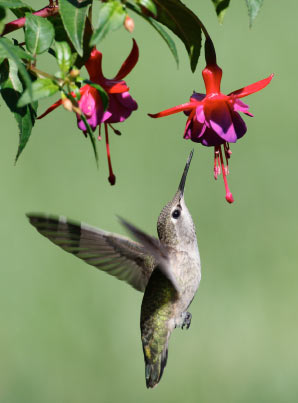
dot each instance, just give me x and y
(69, 333)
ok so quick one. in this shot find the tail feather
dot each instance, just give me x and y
(154, 368)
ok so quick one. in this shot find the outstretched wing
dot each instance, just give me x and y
(116, 255)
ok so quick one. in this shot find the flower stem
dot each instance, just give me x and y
(20, 22)
(40, 73)
(112, 177)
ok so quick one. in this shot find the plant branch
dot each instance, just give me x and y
(45, 12)
(41, 74)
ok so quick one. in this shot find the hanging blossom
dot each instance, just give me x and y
(120, 106)
(213, 118)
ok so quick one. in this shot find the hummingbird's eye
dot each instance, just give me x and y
(176, 213)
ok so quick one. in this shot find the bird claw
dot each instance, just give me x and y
(186, 320)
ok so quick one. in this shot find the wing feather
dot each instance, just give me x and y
(114, 254)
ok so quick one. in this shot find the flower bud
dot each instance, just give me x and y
(129, 24)
(74, 73)
(67, 104)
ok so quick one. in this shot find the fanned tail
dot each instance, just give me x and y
(154, 366)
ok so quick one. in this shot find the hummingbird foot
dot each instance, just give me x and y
(187, 320)
(184, 320)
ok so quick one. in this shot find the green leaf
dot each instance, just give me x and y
(11, 87)
(103, 95)
(73, 14)
(166, 37)
(253, 7)
(39, 34)
(64, 56)
(41, 88)
(91, 136)
(18, 8)
(221, 8)
(2, 18)
(111, 17)
(184, 23)
(148, 5)
(162, 32)
(8, 50)
(26, 119)
(21, 11)
(9, 77)
(14, 77)
(60, 32)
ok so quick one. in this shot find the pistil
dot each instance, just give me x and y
(229, 196)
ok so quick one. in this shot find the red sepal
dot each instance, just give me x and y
(129, 63)
(250, 89)
(50, 109)
(179, 108)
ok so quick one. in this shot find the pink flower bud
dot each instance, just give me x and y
(67, 104)
(129, 24)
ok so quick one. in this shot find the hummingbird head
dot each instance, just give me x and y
(175, 226)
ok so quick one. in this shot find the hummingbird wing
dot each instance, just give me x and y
(155, 248)
(116, 255)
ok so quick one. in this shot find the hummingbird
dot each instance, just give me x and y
(167, 270)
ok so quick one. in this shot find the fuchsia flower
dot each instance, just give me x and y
(213, 118)
(120, 106)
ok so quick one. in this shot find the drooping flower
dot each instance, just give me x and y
(213, 118)
(120, 106)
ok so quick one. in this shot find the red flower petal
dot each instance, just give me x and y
(115, 87)
(250, 89)
(129, 63)
(93, 65)
(179, 108)
(50, 109)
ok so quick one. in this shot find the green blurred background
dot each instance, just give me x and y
(70, 333)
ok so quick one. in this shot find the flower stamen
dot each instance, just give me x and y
(216, 163)
(112, 177)
(228, 154)
(116, 131)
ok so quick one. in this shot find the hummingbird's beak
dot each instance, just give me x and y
(183, 179)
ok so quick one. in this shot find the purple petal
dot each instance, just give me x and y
(107, 114)
(194, 130)
(197, 96)
(200, 116)
(81, 125)
(91, 105)
(93, 122)
(187, 131)
(221, 122)
(127, 101)
(240, 106)
(211, 139)
(87, 103)
(120, 108)
(239, 125)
